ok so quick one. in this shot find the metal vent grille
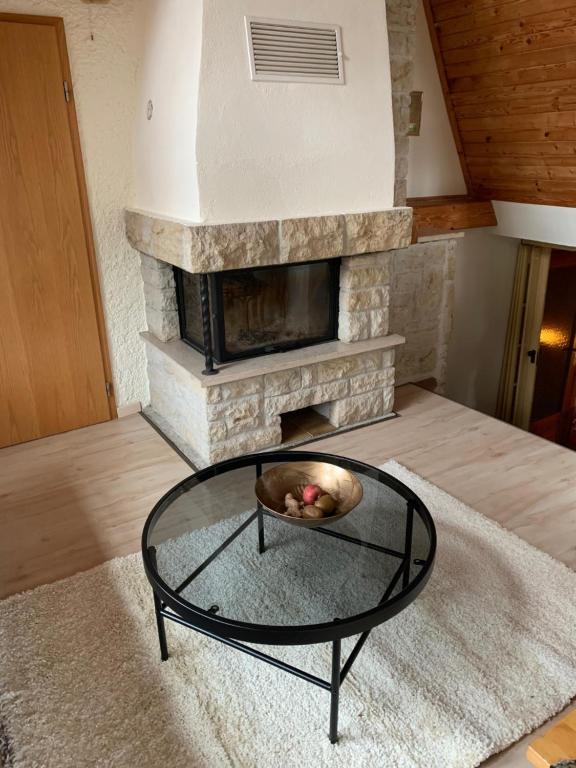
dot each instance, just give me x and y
(293, 51)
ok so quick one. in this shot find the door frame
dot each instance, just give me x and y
(518, 375)
(58, 23)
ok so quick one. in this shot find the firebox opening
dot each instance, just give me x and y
(304, 424)
(261, 310)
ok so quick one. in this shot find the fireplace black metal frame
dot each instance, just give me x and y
(213, 322)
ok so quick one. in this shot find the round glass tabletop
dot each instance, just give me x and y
(202, 556)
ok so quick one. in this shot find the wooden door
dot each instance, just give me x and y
(53, 356)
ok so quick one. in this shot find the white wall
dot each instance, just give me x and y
(165, 145)
(263, 150)
(544, 223)
(433, 164)
(484, 280)
(104, 79)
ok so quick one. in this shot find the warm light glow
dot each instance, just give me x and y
(552, 337)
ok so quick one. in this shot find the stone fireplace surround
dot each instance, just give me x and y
(351, 381)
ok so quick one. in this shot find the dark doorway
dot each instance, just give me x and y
(554, 406)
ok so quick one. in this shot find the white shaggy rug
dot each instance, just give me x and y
(484, 655)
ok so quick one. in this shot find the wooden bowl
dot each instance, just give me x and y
(271, 489)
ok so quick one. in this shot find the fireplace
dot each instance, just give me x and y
(249, 312)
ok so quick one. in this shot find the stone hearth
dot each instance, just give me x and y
(351, 381)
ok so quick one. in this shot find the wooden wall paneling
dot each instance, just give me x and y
(508, 69)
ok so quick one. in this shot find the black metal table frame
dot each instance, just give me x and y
(169, 605)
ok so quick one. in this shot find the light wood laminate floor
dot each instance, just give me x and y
(73, 501)
(70, 502)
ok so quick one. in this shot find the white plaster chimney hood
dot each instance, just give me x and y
(221, 147)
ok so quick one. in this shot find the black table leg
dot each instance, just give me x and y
(261, 544)
(161, 629)
(335, 691)
(408, 545)
(158, 612)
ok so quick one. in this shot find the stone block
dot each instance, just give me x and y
(368, 382)
(257, 440)
(308, 374)
(160, 299)
(156, 273)
(412, 259)
(217, 247)
(164, 239)
(401, 165)
(234, 390)
(217, 431)
(378, 231)
(382, 260)
(164, 325)
(419, 356)
(388, 356)
(387, 400)
(345, 367)
(354, 410)
(402, 146)
(400, 192)
(402, 72)
(282, 382)
(358, 301)
(400, 43)
(204, 247)
(407, 283)
(401, 13)
(369, 277)
(304, 398)
(353, 326)
(310, 239)
(233, 411)
(379, 323)
(451, 260)
(237, 426)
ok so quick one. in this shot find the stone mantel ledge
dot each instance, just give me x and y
(201, 248)
(193, 362)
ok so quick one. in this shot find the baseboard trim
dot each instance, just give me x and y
(129, 409)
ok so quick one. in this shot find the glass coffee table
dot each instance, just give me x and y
(221, 564)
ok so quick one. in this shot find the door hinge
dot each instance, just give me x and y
(67, 91)
(109, 389)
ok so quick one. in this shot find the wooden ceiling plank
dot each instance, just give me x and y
(513, 137)
(540, 161)
(478, 19)
(536, 74)
(557, 37)
(529, 172)
(517, 107)
(502, 31)
(560, 149)
(508, 93)
(545, 120)
(508, 72)
(453, 9)
(502, 63)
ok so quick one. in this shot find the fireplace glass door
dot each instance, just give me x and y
(263, 310)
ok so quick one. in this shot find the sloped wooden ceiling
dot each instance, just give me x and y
(508, 69)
